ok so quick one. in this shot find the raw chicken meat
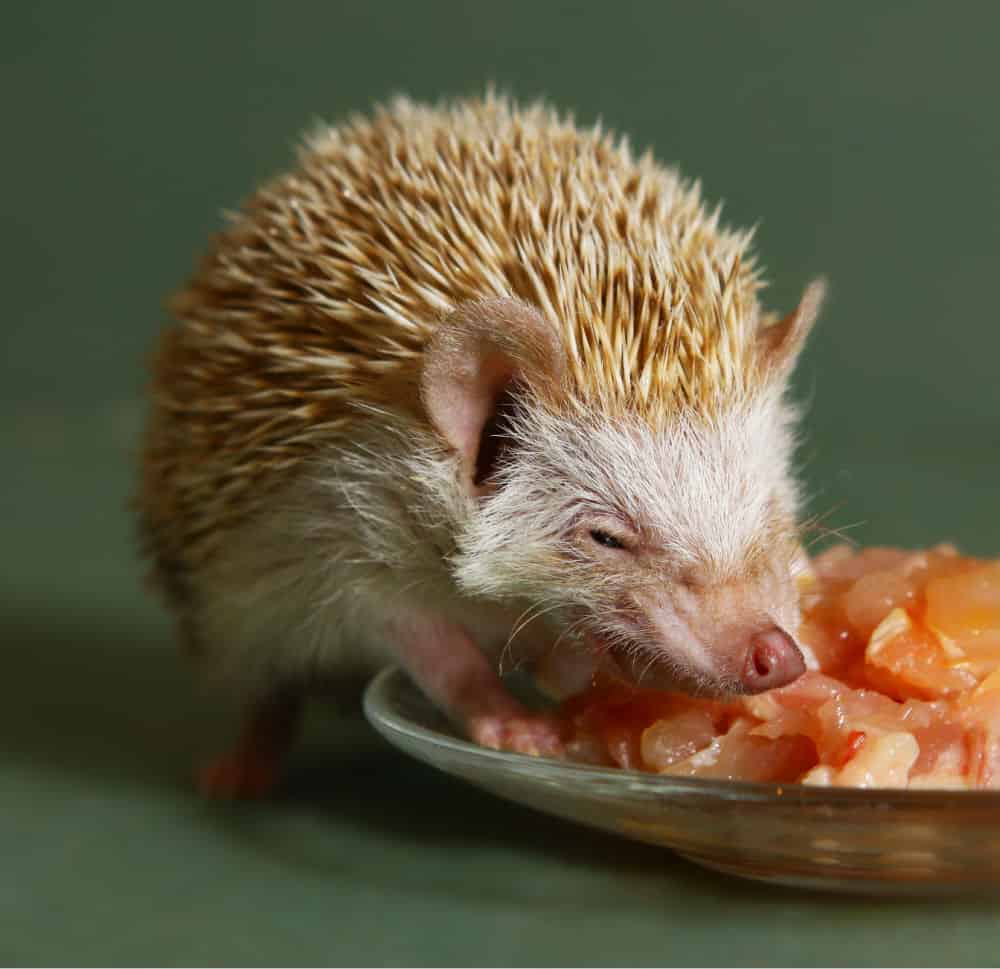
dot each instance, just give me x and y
(907, 694)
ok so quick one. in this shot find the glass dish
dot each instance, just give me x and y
(872, 841)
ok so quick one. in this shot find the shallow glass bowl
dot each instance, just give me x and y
(875, 841)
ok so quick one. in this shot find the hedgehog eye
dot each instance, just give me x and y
(603, 538)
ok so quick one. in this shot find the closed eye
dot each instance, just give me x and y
(605, 539)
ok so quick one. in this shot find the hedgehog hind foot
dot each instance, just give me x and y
(253, 767)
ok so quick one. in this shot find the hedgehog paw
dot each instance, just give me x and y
(538, 736)
(238, 775)
(253, 767)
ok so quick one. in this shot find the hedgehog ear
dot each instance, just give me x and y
(782, 342)
(476, 367)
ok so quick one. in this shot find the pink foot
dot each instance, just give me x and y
(535, 735)
(252, 768)
(238, 775)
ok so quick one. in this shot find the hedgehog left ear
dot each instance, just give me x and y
(476, 366)
(782, 342)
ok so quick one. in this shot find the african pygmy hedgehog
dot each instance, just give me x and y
(465, 367)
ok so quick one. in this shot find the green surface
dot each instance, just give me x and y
(863, 137)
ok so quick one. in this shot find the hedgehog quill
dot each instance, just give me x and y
(472, 385)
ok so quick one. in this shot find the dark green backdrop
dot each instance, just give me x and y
(862, 137)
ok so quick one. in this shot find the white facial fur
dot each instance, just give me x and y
(705, 508)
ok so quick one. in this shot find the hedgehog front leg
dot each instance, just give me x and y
(453, 671)
(253, 766)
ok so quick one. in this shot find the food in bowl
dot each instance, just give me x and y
(904, 689)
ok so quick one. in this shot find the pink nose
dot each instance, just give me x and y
(772, 660)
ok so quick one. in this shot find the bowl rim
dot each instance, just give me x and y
(386, 720)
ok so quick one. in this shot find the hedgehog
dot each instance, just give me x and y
(473, 387)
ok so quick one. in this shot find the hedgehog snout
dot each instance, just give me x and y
(772, 659)
(725, 640)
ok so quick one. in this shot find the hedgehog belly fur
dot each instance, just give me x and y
(313, 583)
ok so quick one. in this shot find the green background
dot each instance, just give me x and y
(862, 137)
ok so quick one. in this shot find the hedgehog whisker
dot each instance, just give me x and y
(825, 532)
(568, 631)
(533, 612)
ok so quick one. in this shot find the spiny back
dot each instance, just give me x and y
(325, 289)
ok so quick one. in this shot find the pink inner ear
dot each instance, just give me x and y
(464, 406)
(495, 439)
(471, 362)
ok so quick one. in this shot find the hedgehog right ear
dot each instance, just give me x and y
(475, 367)
(782, 342)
